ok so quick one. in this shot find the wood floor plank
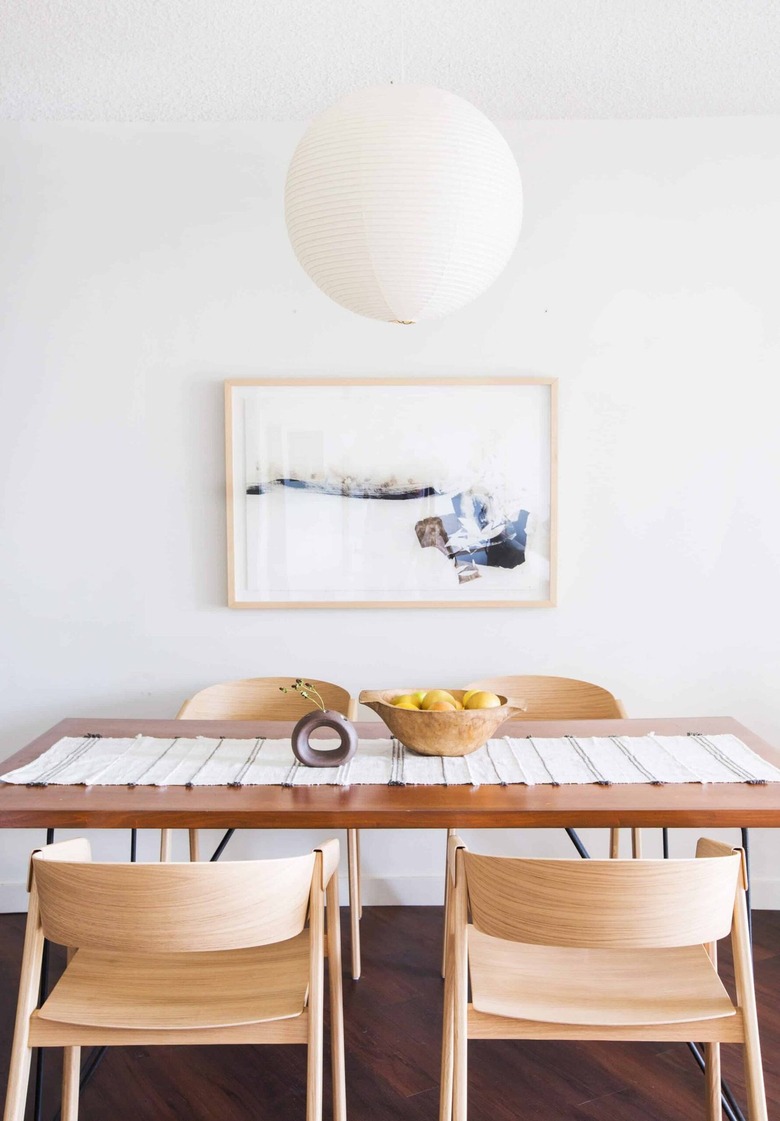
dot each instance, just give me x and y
(393, 1017)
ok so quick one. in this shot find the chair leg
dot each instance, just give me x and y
(29, 990)
(336, 1001)
(614, 844)
(459, 969)
(746, 998)
(18, 1080)
(314, 1071)
(447, 901)
(316, 1009)
(166, 839)
(636, 844)
(754, 1074)
(447, 1042)
(712, 1081)
(71, 1073)
(353, 861)
(754, 1081)
(359, 874)
(194, 845)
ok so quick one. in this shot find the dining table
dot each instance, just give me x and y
(704, 805)
(669, 805)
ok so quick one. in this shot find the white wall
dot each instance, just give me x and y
(142, 265)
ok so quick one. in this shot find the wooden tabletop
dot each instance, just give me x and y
(388, 807)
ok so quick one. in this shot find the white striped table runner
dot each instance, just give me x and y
(531, 761)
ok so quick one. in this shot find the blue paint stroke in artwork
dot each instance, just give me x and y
(471, 538)
(384, 491)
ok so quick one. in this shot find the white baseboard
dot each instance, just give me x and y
(13, 898)
(399, 891)
(765, 895)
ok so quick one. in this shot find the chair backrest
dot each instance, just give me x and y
(158, 908)
(602, 903)
(555, 698)
(260, 698)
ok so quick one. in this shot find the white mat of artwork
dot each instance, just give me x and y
(530, 761)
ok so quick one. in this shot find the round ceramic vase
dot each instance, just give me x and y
(315, 757)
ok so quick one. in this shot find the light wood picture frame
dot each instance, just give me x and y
(391, 492)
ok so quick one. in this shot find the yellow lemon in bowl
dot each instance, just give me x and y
(435, 696)
(481, 699)
(406, 700)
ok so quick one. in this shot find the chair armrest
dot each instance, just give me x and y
(453, 844)
(330, 860)
(706, 847)
(77, 851)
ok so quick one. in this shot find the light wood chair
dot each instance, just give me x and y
(563, 698)
(260, 698)
(180, 954)
(554, 698)
(602, 950)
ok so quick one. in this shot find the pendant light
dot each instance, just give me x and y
(403, 203)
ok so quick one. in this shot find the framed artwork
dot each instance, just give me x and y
(399, 492)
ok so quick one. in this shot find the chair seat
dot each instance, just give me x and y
(596, 987)
(183, 990)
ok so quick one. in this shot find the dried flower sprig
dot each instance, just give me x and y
(306, 690)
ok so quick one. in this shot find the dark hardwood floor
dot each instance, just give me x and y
(393, 1024)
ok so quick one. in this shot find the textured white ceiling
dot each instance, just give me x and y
(210, 60)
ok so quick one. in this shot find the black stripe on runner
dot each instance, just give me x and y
(600, 780)
(154, 762)
(253, 754)
(735, 768)
(628, 753)
(547, 771)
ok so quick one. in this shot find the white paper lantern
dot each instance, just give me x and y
(403, 203)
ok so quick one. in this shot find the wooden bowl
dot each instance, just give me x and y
(440, 733)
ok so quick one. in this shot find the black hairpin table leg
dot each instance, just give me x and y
(574, 837)
(221, 846)
(746, 850)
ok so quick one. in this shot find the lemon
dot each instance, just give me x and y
(437, 695)
(406, 700)
(483, 700)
